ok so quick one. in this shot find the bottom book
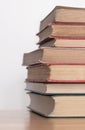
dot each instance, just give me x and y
(58, 105)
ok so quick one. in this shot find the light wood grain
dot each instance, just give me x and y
(18, 120)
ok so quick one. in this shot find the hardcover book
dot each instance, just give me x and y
(63, 42)
(55, 56)
(64, 14)
(58, 105)
(55, 88)
(62, 30)
(56, 73)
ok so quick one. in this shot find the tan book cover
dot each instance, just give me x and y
(63, 42)
(62, 30)
(56, 73)
(55, 56)
(58, 105)
(64, 14)
(55, 88)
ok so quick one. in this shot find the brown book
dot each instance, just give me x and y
(55, 56)
(55, 88)
(62, 30)
(63, 42)
(58, 105)
(56, 73)
(64, 14)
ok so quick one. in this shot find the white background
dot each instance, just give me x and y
(19, 23)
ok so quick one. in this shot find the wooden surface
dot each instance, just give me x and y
(17, 120)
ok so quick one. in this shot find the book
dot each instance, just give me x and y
(55, 56)
(58, 105)
(63, 42)
(62, 30)
(64, 14)
(55, 88)
(56, 73)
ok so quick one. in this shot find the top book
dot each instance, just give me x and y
(64, 14)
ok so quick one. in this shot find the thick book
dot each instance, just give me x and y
(62, 30)
(58, 105)
(63, 42)
(56, 73)
(64, 14)
(55, 88)
(55, 56)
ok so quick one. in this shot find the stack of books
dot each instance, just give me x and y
(56, 70)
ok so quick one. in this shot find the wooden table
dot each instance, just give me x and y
(18, 120)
